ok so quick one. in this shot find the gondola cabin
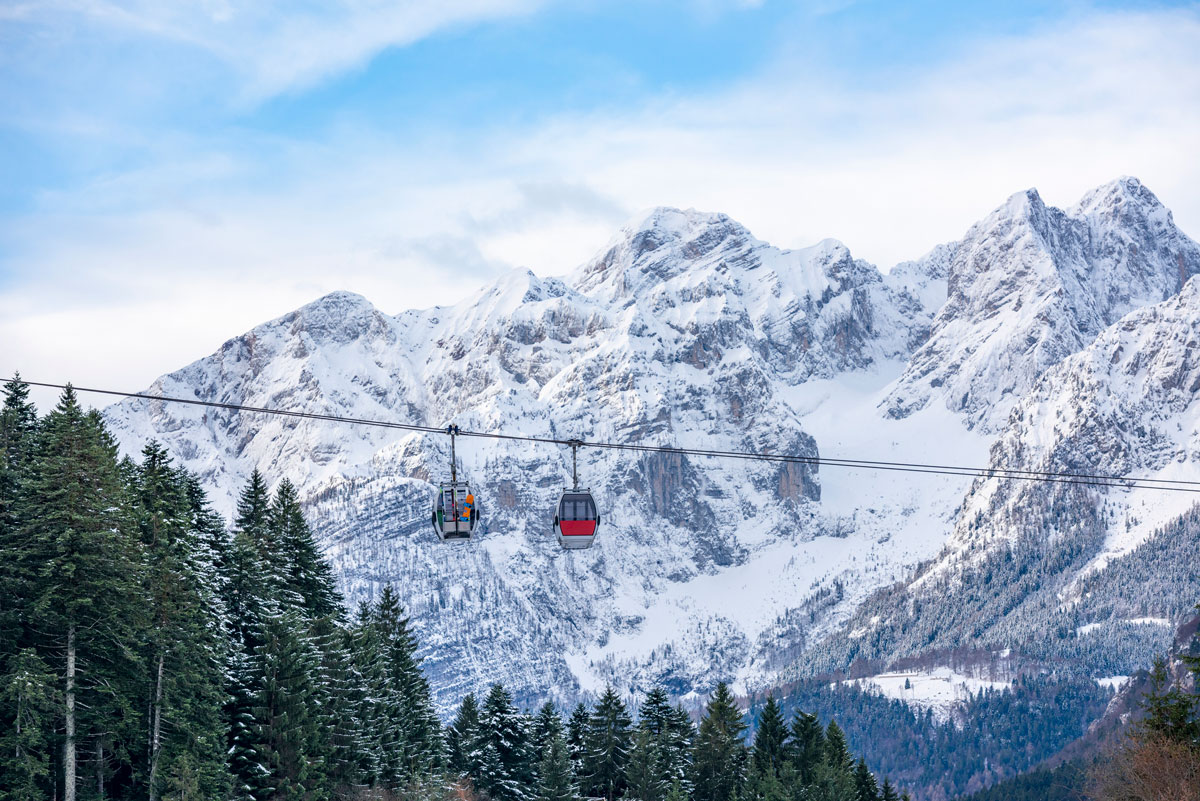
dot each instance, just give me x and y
(455, 511)
(576, 519)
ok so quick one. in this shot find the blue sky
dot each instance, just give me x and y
(196, 168)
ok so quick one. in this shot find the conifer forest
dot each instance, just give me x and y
(147, 651)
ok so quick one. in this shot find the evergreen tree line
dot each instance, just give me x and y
(1160, 759)
(997, 733)
(147, 651)
(603, 753)
(1156, 757)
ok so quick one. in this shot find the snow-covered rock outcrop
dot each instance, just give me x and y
(1032, 284)
(687, 331)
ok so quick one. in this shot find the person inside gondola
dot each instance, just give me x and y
(467, 507)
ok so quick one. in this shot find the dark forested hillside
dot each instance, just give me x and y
(148, 651)
(995, 735)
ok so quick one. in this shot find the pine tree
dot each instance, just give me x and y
(608, 742)
(770, 741)
(807, 747)
(288, 741)
(546, 725)
(82, 564)
(577, 737)
(29, 692)
(307, 577)
(507, 761)
(183, 651)
(889, 792)
(644, 775)
(555, 778)
(462, 738)
(719, 763)
(865, 787)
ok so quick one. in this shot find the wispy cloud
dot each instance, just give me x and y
(278, 46)
(212, 235)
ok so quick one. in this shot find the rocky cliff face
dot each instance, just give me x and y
(1030, 285)
(685, 330)
(1089, 575)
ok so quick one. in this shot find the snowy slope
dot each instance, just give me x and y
(684, 330)
(1022, 570)
(1032, 284)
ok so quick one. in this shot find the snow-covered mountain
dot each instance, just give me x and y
(685, 330)
(1030, 285)
(1096, 575)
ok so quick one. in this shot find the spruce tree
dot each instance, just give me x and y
(719, 763)
(835, 777)
(654, 714)
(183, 652)
(508, 764)
(289, 744)
(307, 577)
(30, 693)
(806, 747)
(865, 786)
(677, 743)
(83, 567)
(577, 737)
(555, 778)
(412, 741)
(253, 521)
(671, 728)
(607, 746)
(370, 668)
(643, 774)
(462, 738)
(770, 741)
(18, 439)
(546, 725)
(341, 691)
(1169, 710)
(888, 792)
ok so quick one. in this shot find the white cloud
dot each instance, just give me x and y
(139, 273)
(278, 46)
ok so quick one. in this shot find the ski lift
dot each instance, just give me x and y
(576, 519)
(455, 510)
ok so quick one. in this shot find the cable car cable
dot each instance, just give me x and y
(1084, 479)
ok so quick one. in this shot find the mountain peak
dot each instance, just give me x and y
(662, 243)
(1126, 200)
(1024, 202)
(337, 317)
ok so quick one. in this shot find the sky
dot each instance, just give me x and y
(172, 174)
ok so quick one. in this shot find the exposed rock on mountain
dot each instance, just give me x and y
(687, 331)
(1032, 284)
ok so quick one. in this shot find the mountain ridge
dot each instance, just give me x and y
(684, 329)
